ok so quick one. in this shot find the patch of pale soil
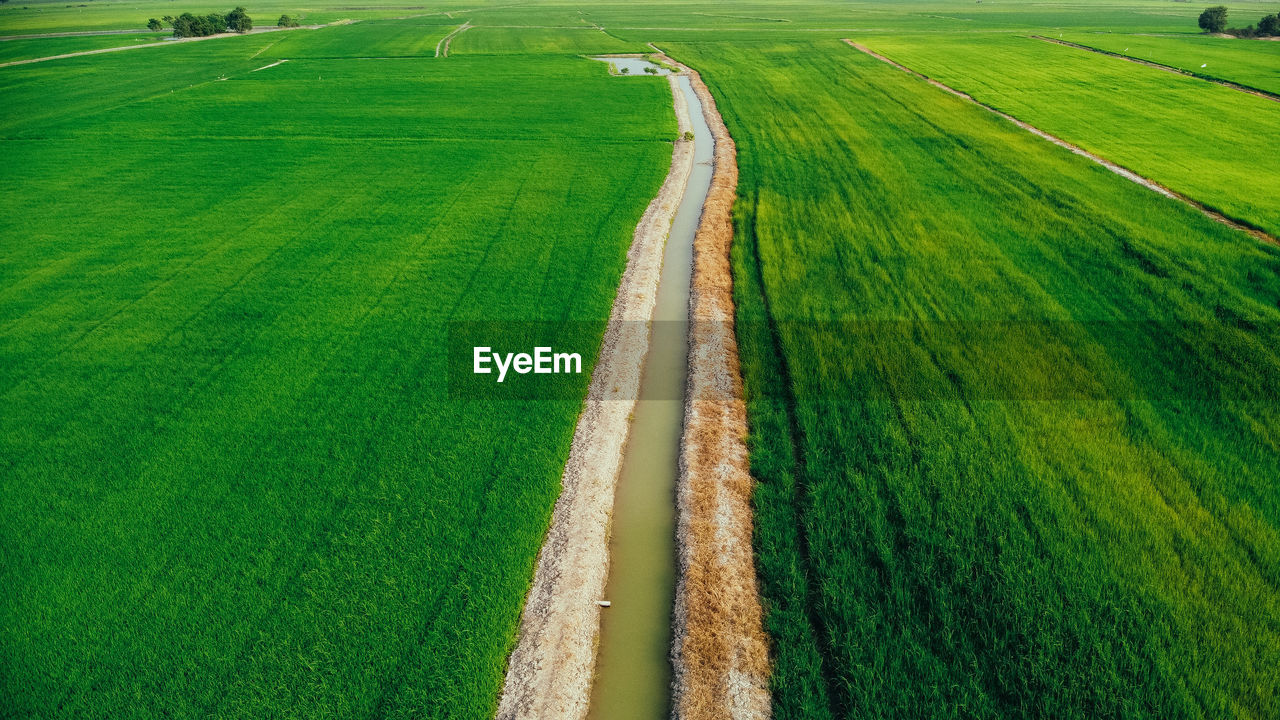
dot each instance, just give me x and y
(1117, 169)
(550, 671)
(720, 654)
(264, 67)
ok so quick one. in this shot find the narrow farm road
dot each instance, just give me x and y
(550, 671)
(78, 33)
(162, 43)
(442, 47)
(1113, 167)
(1166, 68)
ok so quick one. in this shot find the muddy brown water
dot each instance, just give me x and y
(633, 665)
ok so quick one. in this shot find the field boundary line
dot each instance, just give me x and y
(549, 674)
(77, 33)
(164, 43)
(442, 47)
(720, 654)
(264, 67)
(1161, 66)
(1120, 170)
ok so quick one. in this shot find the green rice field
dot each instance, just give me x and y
(1193, 137)
(1014, 420)
(236, 484)
(1252, 64)
(1016, 440)
(13, 50)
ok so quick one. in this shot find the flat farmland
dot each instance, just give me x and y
(1012, 417)
(1194, 137)
(1253, 64)
(236, 484)
(369, 39)
(1013, 421)
(11, 50)
(570, 41)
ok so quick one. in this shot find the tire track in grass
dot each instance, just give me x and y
(1161, 66)
(828, 692)
(161, 43)
(442, 47)
(1234, 223)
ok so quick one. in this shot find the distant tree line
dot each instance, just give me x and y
(1214, 20)
(188, 25)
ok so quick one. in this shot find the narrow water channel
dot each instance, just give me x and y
(633, 664)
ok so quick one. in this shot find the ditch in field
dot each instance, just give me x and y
(633, 664)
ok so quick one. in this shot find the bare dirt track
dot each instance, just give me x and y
(1113, 167)
(1166, 68)
(442, 47)
(720, 653)
(550, 671)
(161, 43)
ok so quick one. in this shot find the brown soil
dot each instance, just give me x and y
(719, 652)
(550, 671)
(1117, 169)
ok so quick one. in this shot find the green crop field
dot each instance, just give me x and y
(12, 50)
(235, 482)
(1014, 420)
(1253, 64)
(1200, 139)
(572, 41)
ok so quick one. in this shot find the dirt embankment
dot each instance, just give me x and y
(549, 673)
(720, 653)
(1113, 167)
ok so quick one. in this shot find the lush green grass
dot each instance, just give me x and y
(369, 38)
(1203, 140)
(236, 483)
(42, 16)
(1253, 63)
(1013, 418)
(494, 40)
(11, 50)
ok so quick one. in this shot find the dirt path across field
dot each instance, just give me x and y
(1166, 68)
(442, 47)
(720, 653)
(1117, 169)
(162, 43)
(550, 671)
(78, 33)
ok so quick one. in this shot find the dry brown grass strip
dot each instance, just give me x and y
(720, 653)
